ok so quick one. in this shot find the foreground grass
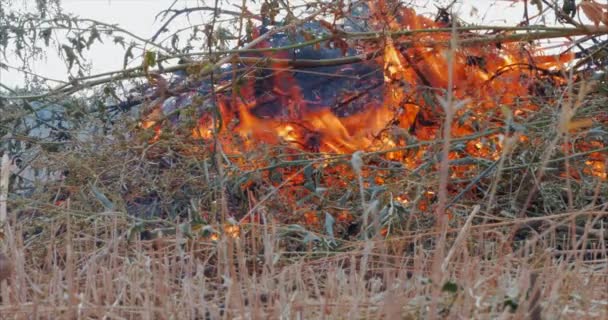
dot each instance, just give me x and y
(90, 269)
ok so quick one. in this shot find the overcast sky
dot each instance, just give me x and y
(138, 17)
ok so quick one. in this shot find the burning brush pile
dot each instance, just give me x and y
(309, 124)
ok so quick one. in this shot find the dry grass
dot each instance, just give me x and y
(88, 269)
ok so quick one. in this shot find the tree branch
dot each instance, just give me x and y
(208, 66)
(177, 13)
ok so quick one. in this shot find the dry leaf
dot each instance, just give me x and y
(594, 12)
(577, 124)
(6, 267)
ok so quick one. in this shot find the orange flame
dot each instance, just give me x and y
(486, 75)
(487, 80)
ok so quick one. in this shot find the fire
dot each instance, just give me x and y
(485, 76)
(401, 104)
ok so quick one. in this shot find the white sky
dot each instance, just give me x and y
(138, 17)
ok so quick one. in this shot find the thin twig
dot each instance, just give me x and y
(208, 66)
(459, 238)
(216, 11)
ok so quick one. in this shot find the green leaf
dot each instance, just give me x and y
(50, 147)
(310, 237)
(175, 42)
(249, 29)
(70, 56)
(276, 176)
(569, 8)
(450, 287)
(205, 230)
(150, 59)
(308, 172)
(46, 35)
(329, 225)
(119, 40)
(511, 303)
(134, 230)
(94, 35)
(102, 198)
(310, 185)
(128, 55)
